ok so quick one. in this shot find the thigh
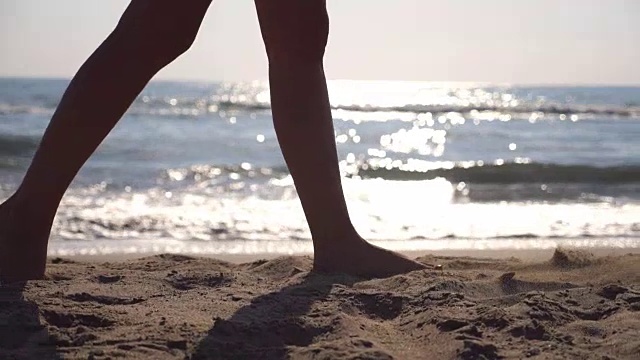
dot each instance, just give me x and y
(167, 14)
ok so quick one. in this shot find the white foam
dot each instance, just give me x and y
(416, 215)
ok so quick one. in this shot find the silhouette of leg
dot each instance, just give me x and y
(295, 35)
(150, 35)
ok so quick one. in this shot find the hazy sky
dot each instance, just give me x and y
(500, 41)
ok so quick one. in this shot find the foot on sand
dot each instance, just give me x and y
(358, 257)
(23, 244)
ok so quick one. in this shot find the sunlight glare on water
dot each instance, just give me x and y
(196, 167)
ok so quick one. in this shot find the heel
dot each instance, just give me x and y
(6, 217)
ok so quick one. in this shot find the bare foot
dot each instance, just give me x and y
(358, 257)
(23, 244)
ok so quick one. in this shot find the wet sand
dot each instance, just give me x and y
(568, 304)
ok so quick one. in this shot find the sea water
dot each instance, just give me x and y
(196, 167)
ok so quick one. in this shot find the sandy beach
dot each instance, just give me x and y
(571, 305)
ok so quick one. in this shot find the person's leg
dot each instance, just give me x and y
(150, 35)
(295, 34)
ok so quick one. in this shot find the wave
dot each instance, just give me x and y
(479, 173)
(511, 182)
(625, 111)
(199, 173)
(510, 173)
(200, 107)
(10, 109)
(17, 145)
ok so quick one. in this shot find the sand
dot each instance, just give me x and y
(572, 305)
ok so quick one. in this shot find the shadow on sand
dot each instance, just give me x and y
(22, 335)
(272, 324)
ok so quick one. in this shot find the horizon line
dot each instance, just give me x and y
(442, 82)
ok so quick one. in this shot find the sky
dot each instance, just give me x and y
(495, 41)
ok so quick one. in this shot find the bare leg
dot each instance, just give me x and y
(295, 34)
(150, 35)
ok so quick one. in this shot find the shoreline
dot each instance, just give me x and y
(527, 255)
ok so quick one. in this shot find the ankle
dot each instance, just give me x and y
(335, 238)
(23, 202)
(17, 207)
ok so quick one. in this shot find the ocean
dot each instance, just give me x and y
(195, 167)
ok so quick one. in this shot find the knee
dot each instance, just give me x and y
(159, 32)
(152, 39)
(294, 31)
(169, 45)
